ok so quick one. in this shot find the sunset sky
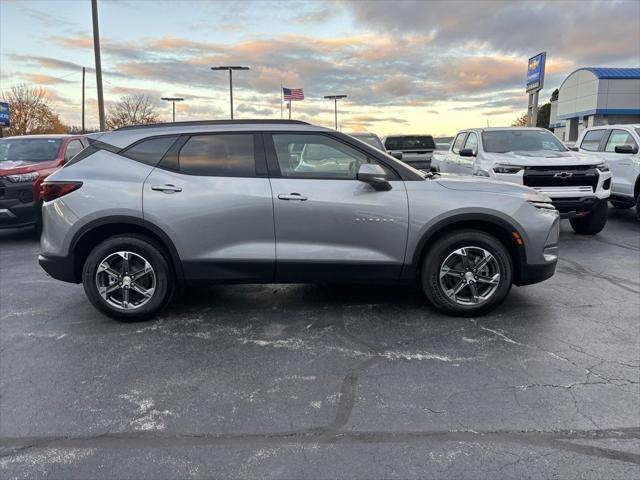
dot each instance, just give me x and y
(430, 67)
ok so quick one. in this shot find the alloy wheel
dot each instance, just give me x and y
(125, 280)
(470, 275)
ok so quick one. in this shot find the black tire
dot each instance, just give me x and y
(638, 207)
(593, 222)
(620, 205)
(446, 245)
(38, 224)
(150, 251)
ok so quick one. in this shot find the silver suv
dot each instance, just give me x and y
(146, 208)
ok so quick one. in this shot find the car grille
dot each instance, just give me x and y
(571, 176)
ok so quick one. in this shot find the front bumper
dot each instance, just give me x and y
(17, 205)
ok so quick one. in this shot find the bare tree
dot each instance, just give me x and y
(30, 112)
(131, 110)
(520, 121)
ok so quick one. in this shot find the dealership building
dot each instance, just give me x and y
(595, 96)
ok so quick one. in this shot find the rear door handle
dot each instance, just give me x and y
(166, 188)
(292, 196)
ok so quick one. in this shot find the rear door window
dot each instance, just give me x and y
(458, 142)
(592, 139)
(219, 155)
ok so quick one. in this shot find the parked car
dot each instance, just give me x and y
(144, 208)
(25, 162)
(370, 139)
(578, 184)
(414, 150)
(618, 145)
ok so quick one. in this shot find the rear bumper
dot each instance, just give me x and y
(60, 268)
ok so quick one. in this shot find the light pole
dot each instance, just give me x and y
(96, 52)
(231, 69)
(335, 99)
(173, 100)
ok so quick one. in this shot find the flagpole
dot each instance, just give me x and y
(281, 99)
(289, 109)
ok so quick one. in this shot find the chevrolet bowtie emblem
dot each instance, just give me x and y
(563, 175)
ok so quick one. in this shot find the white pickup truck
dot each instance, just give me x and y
(578, 184)
(618, 145)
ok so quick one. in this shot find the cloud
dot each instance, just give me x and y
(42, 79)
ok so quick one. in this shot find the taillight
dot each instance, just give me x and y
(52, 190)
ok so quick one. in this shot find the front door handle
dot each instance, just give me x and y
(292, 196)
(168, 188)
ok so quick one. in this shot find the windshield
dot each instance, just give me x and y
(503, 141)
(29, 149)
(410, 142)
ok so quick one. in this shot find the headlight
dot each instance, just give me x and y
(603, 167)
(22, 177)
(499, 168)
(539, 200)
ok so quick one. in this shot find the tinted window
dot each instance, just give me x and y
(73, 148)
(503, 141)
(372, 140)
(316, 156)
(617, 138)
(457, 144)
(410, 142)
(29, 149)
(221, 155)
(472, 142)
(150, 151)
(591, 140)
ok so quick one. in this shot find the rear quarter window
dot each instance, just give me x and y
(150, 151)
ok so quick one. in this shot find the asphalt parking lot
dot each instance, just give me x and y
(306, 381)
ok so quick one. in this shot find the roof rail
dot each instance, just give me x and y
(195, 123)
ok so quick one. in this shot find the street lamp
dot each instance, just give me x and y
(173, 100)
(335, 99)
(231, 69)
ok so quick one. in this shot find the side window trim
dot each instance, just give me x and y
(274, 166)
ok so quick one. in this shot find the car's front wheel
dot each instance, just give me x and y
(128, 277)
(593, 222)
(466, 273)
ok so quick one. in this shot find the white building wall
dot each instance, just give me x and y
(619, 94)
(578, 93)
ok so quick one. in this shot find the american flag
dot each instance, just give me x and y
(293, 94)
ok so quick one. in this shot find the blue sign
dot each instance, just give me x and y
(535, 72)
(4, 114)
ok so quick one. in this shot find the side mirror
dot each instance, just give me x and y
(396, 155)
(467, 152)
(374, 175)
(625, 149)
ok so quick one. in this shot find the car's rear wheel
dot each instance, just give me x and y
(128, 278)
(466, 273)
(593, 222)
(638, 207)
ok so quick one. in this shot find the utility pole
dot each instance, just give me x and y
(96, 49)
(173, 100)
(335, 99)
(231, 69)
(83, 75)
